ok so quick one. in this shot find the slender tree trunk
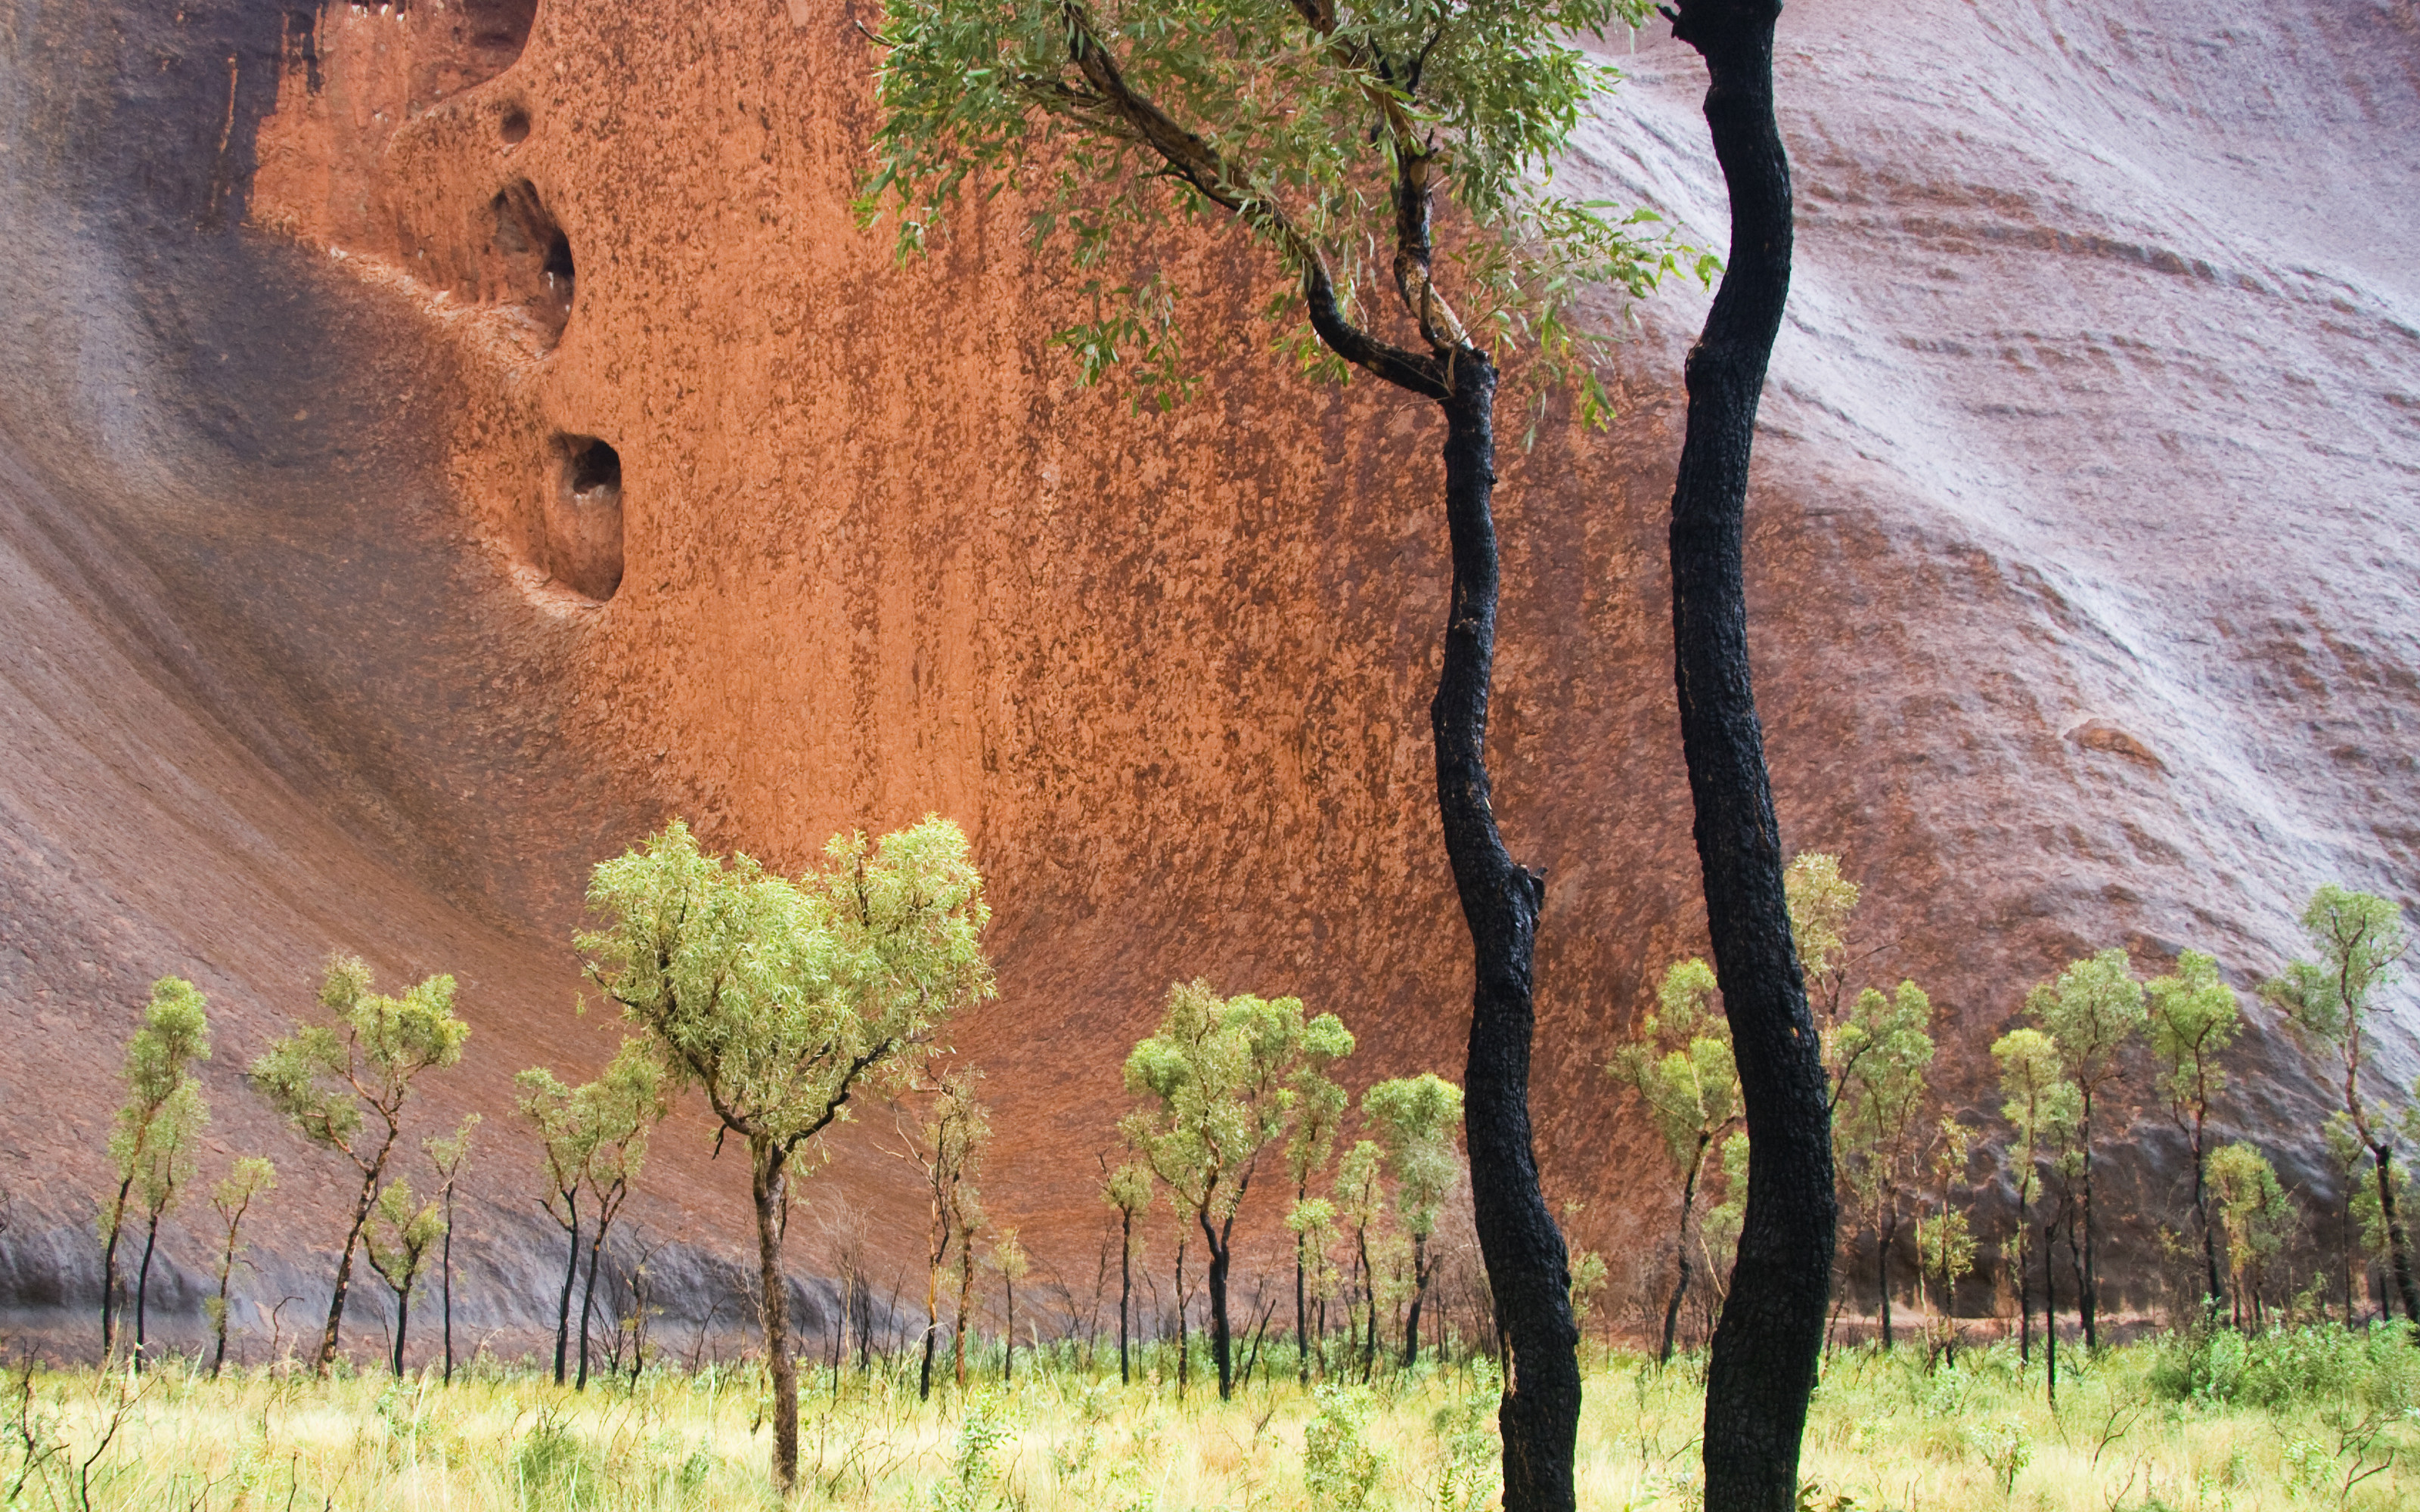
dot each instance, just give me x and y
(2086, 1289)
(328, 1336)
(965, 1298)
(2025, 1297)
(109, 1273)
(1770, 1335)
(1301, 1308)
(218, 1348)
(1008, 1334)
(445, 1280)
(1883, 1236)
(143, 1286)
(1419, 1290)
(1125, 1296)
(588, 1299)
(1529, 1269)
(571, 1278)
(1184, 1343)
(774, 1305)
(1681, 1249)
(402, 1320)
(2214, 1298)
(2399, 1248)
(1220, 1343)
(2050, 1316)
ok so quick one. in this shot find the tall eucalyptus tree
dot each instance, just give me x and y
(1341, 137)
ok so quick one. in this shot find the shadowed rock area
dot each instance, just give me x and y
(2082, 564)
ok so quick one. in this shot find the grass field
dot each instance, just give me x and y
(2316, 1418)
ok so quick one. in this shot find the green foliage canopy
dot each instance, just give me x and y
(775, 999)
(1415, 1118)
(1312, 123)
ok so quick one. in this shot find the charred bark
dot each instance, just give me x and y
(1771, 1334)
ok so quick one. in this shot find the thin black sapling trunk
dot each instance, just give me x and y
(1303, 1312)
(1125, 1293)
(143, 1284)
(588, 1304)
(371, 1172)
(1680, 1250)
(2050, 1315)
(402, 1322)
(1770, 1340)
(445, 1280)
(1886, 1234)
(2399, 1248)
(1419, 1290)
(571, 1279)
(2086, 1280)
(1184, 1340)
(109, 1272)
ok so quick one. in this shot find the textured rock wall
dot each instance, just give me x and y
(2081, 550)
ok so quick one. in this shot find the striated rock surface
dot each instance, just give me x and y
(442, 441)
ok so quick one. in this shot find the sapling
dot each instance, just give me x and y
(343, 1088)
(251, 1177)
(175, 1033)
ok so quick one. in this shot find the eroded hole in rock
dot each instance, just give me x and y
(515, 127)
(583, 524)
(467, 42)
(535, 256)
(497, 30)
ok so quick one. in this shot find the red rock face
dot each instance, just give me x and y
(448, 441)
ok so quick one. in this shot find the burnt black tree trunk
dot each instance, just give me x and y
(571, 1278)
(1126, 1293)
(1528, 1267)
(1214, 1238)
(143, 1285)
(1770, 1335)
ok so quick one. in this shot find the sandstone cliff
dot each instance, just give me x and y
(443, 441)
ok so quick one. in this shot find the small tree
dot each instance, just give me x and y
(1313, 1223)
(174, 1034)
(2357, 938)
(1009, 1258)
(1820, 900)
(167, 1165)
(1415, 1118)
(1945, 1241)
(1361, 1202)
(343, 1088)
(1680, 1065)
(1130, 1189)
(949, 1144)
(2194, 1018)
(1313, 1122)
(1885, 1053)
(2039, 1104)
(398, 1238)
(566, 1139)
(1218, 1074)
(2258, 1217)
(2090, 1013)
(777, 1000)
(450, 1156)
(245, 1183)
(620, 1110)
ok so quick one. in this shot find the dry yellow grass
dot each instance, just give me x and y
(1886, 1432)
